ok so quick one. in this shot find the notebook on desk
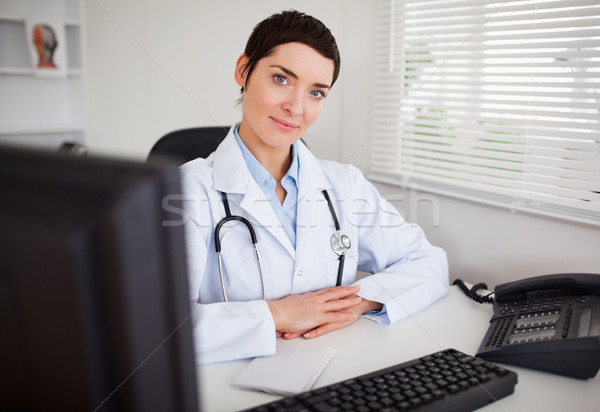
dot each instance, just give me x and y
(292, 370)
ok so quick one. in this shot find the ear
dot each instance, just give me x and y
(240, 70)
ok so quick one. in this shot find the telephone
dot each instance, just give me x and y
(549, 323)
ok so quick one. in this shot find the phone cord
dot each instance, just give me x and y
(472, 293)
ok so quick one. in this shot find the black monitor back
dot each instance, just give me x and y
(94, 304)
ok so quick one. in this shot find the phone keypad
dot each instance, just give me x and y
(541, 304)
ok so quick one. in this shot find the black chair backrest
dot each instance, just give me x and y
(72, 148)
(183, 145)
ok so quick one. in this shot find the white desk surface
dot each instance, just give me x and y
(454, 321)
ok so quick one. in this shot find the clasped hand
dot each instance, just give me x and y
(315, 313)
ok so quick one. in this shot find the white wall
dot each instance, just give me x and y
(495, 245)
(155, 66)
(357, 68)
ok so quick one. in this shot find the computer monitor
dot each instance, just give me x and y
(94, 307)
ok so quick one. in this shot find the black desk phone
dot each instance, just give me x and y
(549, 323)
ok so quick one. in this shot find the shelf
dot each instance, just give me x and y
(41, 130)
(11, 18)
(21, 19)
(24, 71)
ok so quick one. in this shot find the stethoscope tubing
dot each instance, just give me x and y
(336, 223)
(332, 210)
(228, 218)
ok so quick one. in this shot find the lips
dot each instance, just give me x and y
(283, 125)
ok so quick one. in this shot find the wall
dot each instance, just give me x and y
(357, 69)
(495, 245)
(155, 66)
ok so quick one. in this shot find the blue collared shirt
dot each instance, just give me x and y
(286, 212)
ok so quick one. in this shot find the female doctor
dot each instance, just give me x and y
(292, 230)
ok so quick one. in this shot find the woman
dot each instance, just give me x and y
(263, 173)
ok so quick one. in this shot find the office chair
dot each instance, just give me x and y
(72, 148)
(181, 146)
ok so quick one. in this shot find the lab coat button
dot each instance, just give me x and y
(299, 272)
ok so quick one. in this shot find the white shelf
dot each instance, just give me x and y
(21, 19)
(54, 129)
(11, 18)
(25, 71)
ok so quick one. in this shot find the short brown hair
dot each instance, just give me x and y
(288, 27)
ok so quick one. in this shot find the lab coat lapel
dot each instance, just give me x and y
(313, 214)
(230, 178)
(227, 176)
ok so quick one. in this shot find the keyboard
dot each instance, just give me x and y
(448, 380)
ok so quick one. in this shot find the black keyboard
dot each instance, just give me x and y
(448, 380)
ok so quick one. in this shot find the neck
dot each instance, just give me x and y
(277, 160)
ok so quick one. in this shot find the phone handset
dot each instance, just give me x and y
(583, 283)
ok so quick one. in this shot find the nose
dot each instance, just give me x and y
(293, 104)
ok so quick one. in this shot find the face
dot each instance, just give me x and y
(38, 39)
(283, 96)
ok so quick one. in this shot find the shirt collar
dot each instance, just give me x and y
(258, 171)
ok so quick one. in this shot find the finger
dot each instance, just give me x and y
(278, 334)
(326, 328)
(341, 304)
(341, 292)
(292, 335)
(338, 317)
(337, 291)
(322, 291)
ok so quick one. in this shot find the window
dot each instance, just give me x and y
(497, 102)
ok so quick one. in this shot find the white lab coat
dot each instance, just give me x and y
(408, 273)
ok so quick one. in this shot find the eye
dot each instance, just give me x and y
(279, 79)
(318, 94)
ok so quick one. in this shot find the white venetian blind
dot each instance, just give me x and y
(494, 101)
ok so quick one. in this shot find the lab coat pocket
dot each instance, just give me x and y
(349, 274)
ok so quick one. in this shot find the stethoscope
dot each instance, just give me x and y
(339, 243)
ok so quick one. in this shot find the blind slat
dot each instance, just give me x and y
(455, 47)
(493, 123)
(424, 7)
(438, 81)
(448, 101)
(499, 15)
(589, 117)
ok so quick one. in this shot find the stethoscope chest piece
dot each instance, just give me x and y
(340, 244)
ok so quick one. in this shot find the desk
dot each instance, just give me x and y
(452, 322)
